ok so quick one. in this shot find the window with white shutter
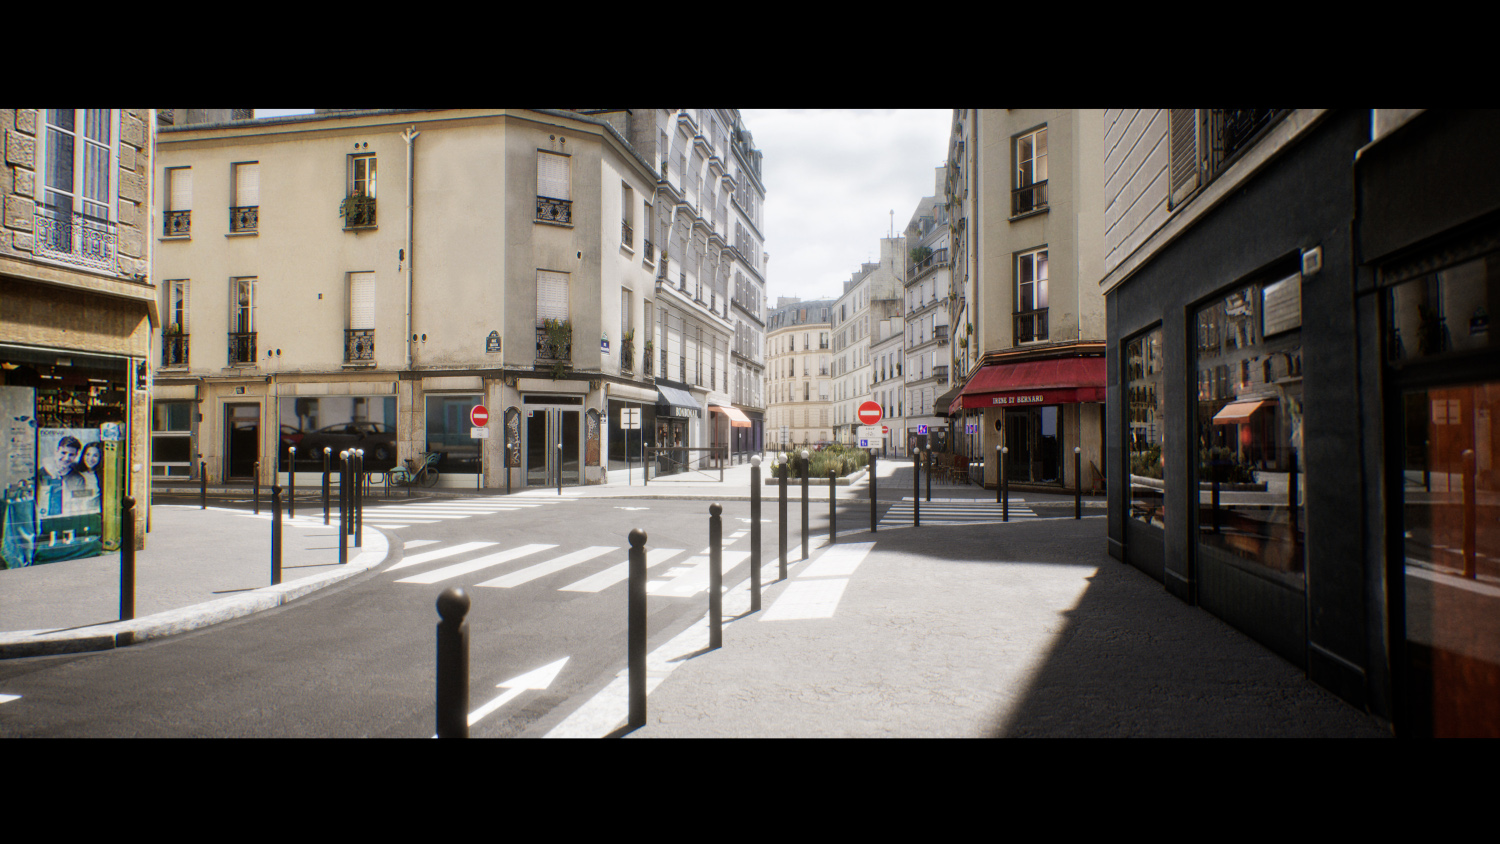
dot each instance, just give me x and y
(1183, 152)
(362, 300)
(551, 296)
(179, 202)
(244, 211)
(552, 175)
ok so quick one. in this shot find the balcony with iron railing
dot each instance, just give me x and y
(174, 350)
(627, 234)
(650, 250)
(1031, 326)
(244, 218)
(549, 210)
(937, 258)
(62, 235)
(359, 345)
(241, 348)
(178, 224)
(1029, 198)
(627, 355)
(547, 350)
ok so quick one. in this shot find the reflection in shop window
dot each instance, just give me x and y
(1145, 424)
(1249, 424)
(337, 423)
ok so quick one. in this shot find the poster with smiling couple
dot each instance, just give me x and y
(55, 492)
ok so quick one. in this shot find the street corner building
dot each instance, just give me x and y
(78, 310)
(364, 279)
(1302, 386)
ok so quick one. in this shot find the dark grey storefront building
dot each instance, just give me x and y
(1301, 380)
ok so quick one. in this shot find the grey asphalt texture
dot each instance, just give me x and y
(1025, 629)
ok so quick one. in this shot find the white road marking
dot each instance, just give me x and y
(9, 698)
(527, 575)
(695, 578)
(417, 559)
(475, 565)
(616, 573)
(807, 599)
(538, 679)
(417, 543)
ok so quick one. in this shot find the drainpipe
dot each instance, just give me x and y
(409, 135)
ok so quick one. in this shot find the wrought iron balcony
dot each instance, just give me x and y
(174, 350)
(627, 355)
(940, 333)
(1030, 198)
(1031, 325)
(650, 251)
(546, 350)
(358, 211)
(74, 238)
(245, 218)
(241, 348)
(937, 259)
(627, 236)
(550, 210)
(179, 224)
(359, 345)
(940, 372)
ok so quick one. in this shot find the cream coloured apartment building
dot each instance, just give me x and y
(798, 366)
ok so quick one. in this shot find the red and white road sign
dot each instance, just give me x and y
(869, 413)
(885, 429)
(479, 416)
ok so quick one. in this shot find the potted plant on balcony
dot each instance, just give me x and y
(650, 347)
(627, 349)
(920, 254)
(559, 338)
(357, 210)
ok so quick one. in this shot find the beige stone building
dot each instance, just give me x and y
(77, 314)
(870, 296)
(1025, 189)
(798, 367)
(929, 317)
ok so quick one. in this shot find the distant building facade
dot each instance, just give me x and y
(798, 367)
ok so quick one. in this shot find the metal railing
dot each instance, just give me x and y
(178, 224)
(627, 236)
(1030, 198)
(545, 350)
(650, 250)
(241, 348)
(63, 235)
(936, 259)
(1031, 325)
(174, 350)
(554, 210)
(359, 344)
(245, 218)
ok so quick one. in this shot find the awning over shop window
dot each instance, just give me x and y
(678, 399)
(944, 403)
(1239, 411)
(737, 418)
(1036, 382)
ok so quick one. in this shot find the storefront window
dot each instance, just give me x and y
(1446, 311)
(1145, 426)
(1249, 423)
(172, 439)
(448, 433)
(337, 423)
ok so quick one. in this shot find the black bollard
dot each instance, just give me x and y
(916, 489)
(559, 468)
(359, 498)
(453, 664)
(872, 490)
(806, 536)
(833, 516)
(326, 452)
(276, 534)
(997, 474)
(343, 509)
(1078, 481)
(636, 632)
(127, 561)
(1004, 489)
(785, 470)
(755, 560)
(203, 485)
(715, 576)
(257, 487)
(291, 480)
(929, 476)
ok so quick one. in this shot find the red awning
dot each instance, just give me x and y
(1036, 382)
(737, 417)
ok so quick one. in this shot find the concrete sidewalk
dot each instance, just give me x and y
(199, 567)
(1027, 629)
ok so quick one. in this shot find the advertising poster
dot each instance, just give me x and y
(112, 481)
(69, 494)
(17, 475)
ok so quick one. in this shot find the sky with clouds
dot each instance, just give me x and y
(832, 177)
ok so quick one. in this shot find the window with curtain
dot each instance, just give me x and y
(178, 221)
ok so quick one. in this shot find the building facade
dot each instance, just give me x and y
(77, 312)
(1314, 467)
(798, 366)
(371, 313)
(870, 296)
(928, 322)
(1025, 195)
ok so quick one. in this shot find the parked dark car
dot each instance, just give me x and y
(376, 438)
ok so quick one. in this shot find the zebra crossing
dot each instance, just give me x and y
(951, 512)
(396, 516)
(670, 573)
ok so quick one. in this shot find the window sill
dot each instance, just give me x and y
(167, 237)
(553, 223)
(359, 364)
(1031, 213)
(626, 249)
(371, 227)
(252, 233)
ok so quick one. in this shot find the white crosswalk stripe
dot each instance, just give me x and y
(458, 569)
(617, 573)
(953, 513)
(399, 515)
(527, 575)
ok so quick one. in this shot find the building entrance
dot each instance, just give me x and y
(241, 440)
(552, 443)
(1033, 437)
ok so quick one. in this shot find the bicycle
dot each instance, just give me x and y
(426, 474)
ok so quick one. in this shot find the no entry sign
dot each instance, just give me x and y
(869, 413)
(479, 416)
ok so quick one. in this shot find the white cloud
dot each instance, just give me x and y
(832, 179)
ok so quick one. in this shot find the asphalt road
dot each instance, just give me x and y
(358, 659)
